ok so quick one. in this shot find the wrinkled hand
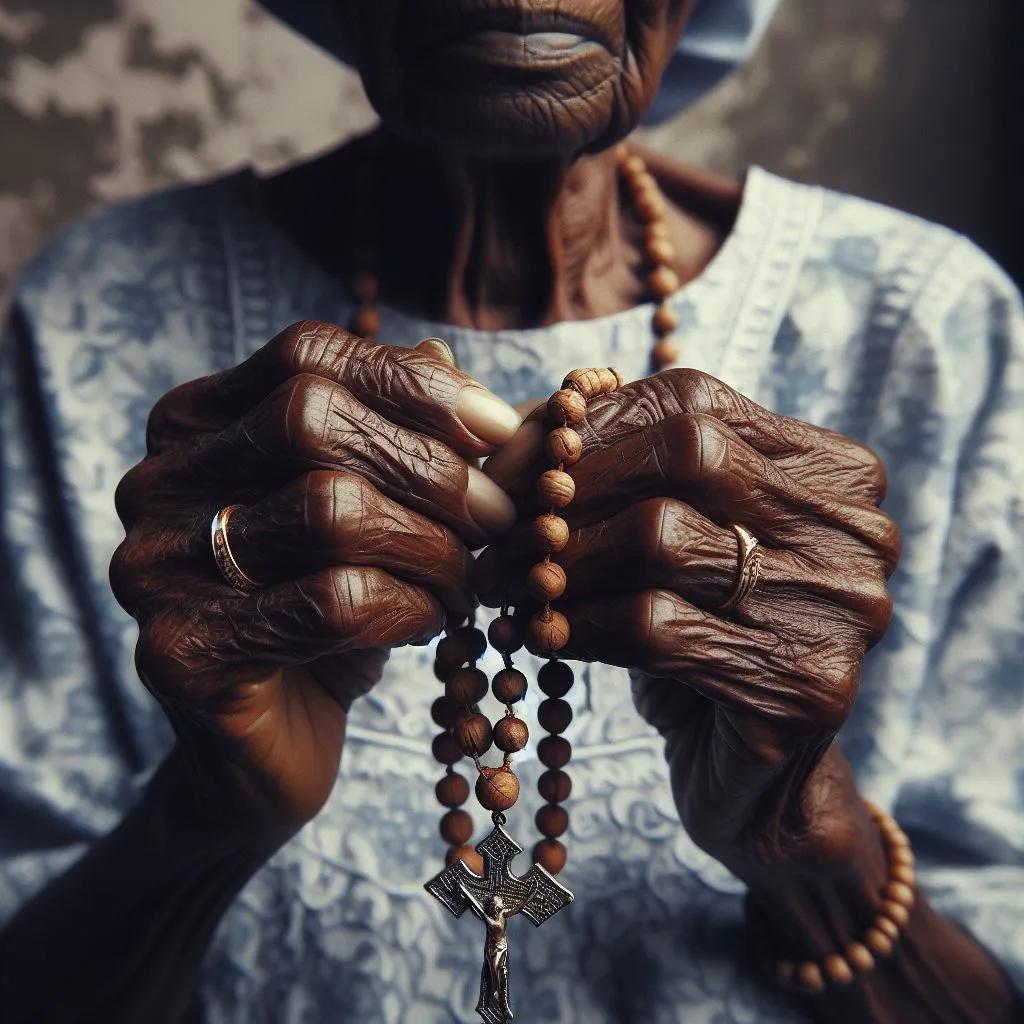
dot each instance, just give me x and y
(360, 507)
(748, 701)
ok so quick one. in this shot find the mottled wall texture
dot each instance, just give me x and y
(907, 101)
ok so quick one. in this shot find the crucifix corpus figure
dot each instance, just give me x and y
(494, 898)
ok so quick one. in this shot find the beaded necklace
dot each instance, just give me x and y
(480, 878)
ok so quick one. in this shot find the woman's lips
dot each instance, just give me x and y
(511, 50)
(507, 34)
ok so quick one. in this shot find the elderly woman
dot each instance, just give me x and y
(192, 847)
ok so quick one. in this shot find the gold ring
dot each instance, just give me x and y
(751, 555)
(229, 568)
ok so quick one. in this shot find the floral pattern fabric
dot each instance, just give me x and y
(841, 312)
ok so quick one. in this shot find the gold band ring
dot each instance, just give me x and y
(229, 568)
(751, 555)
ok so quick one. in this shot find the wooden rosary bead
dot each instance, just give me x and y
(859, 957)
(563, 446)
(657, 229)
(555, 678)
(591, 382)
(879, 944)
(666, 320)
(887, 927)
(505, 634)
(546, 582)
(445, 748)
(648, 202)
(468, 686)
(556, 488)
(784, 972)
(567, 407)
(547, 632)
(442, 674)
(896, 913)
(664, 353)
(900, 893)
(644, 180)
(366, 322)
(497, 789)
(474, 639)
(660, 250)
(473, 860)
(445, 712)
(837, 969)
(552, 821)
(808, 977)
(473, 734)
(555, 786)
(451, 654)
(554, 752)
(550, 854)
(551, 534)
(452, 790)
(899, 873)
(511, 734)
(456, 828)
(902, 857)
(554, 715)
(632, 165)
(509, 686)
(663, 282)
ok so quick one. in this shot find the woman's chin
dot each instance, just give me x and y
(515, 127)
(506, 117)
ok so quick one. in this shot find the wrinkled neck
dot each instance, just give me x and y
(493, 246)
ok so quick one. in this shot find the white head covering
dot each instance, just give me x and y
(720, 36)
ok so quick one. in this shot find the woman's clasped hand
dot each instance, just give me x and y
(359, 502)
(748, 700)
(351, 463)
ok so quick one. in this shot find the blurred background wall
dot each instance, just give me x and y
(916, 103)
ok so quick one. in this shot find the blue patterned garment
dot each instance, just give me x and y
(896, 332)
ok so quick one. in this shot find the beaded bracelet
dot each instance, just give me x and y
(879, 939)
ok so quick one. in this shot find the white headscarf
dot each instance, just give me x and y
(721, 35)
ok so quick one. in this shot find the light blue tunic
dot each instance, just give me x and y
(896, 332)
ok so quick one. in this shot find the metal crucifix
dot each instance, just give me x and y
(495, 898)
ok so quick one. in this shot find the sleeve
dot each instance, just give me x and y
(962, 781)
(64, 775)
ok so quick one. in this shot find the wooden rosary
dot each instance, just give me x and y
(480, 879)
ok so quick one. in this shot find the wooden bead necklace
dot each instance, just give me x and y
(650, 207)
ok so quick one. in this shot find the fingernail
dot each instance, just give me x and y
(509, 461)
(488, 505)
(437, 348)
(486, 415)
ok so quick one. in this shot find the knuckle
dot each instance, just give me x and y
(313, 347)
(831, 680)
(874, 607)
(692, 388)
(335, 505)
(663, 529)
(122, 576)
(693, 449)
(129, 494)
(310, 403)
